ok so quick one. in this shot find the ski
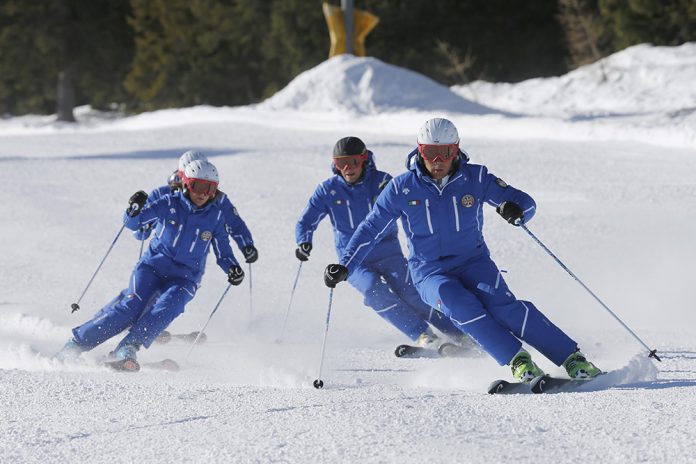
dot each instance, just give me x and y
(410, 351)
(123, 365)
(548, 384)
(164, 365)
(166, 337)
(503, 387)
(452, 350)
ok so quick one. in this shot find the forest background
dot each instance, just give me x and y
(142, 55)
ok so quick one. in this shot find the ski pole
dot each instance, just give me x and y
(287, 311)
(201, 332)
(318, 383)
(76, 306)
(651, 353)
(251, 297)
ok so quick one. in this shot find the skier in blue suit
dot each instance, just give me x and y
(170, 270)
(347, 198)
(235, 226)
(440, 200)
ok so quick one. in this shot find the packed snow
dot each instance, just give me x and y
(611, 165)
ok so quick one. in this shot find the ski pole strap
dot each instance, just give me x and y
(651, 353)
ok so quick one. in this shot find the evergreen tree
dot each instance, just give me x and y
(585, 31)
(191, 52)
(660, 22)
(56, 54)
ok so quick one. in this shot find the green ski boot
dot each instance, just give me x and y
(523, 368)
(580, 368)
(426, 339)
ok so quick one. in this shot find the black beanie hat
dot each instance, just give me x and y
(348, 146)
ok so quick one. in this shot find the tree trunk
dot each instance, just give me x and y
(66, 95)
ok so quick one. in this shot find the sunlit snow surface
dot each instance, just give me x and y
(615, 181)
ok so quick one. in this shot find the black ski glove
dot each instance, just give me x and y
(511, 212)
(334, 274)
(251, 254)
(303, 250)
(235, 275)
(136, 203)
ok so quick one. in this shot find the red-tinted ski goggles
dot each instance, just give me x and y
(442, 152)
(349, 161)
(201, 186)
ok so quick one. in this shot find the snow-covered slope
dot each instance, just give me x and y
(614, 210)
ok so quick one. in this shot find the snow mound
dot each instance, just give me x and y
(367, 86)
(641, 79)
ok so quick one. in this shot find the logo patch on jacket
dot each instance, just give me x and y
(206, 235)
(468, 201)
(501, 182)
(414, 202)
(405, 191)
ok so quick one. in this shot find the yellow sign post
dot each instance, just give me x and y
(363, 23)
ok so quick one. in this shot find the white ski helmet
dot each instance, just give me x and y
(189, 156)
(201, 177)
(438, 131)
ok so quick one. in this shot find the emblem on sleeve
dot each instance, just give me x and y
(405, 191)
(413, 202)
(206, 235)
(468, 201)
(501, 182)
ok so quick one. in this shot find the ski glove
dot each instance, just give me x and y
(235, 275)
(251, 254)
(303, 250)
(136, 203)
(334, 274)
(511, 212)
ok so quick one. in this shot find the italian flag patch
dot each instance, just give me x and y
(413, 202)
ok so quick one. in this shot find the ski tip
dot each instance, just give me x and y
(497, 386)
(318, 384)
(124, 365)
(401, 350)
(538, 383)
(164, 337)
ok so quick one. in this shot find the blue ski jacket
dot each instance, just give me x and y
(440, 222)
(235, 226)
(347, 205)
(185, 234)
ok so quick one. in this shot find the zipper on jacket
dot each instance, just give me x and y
(176, 239)
(195, 239)
(456, 213)
(350, 215)
(427, 213)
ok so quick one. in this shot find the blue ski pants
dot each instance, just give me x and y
(387, 288)
(150, 304)
(478, 301)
